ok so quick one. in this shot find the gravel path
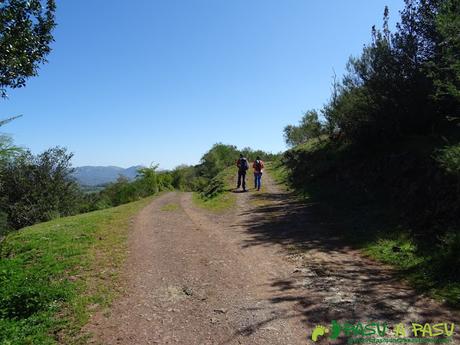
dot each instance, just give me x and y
(195, 278)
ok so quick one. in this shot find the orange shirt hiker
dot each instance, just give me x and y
(258, 166)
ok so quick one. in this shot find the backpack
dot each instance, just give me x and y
(258, 166)
(244, 165)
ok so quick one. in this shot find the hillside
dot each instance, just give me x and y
(52, 274)
(396, 203)
(100, 175)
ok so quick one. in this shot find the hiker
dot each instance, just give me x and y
(258, 170)
(243, 166)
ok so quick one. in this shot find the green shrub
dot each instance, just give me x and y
(38, 188)
(147, 183)
(447, 258)
(3, 223)
(24, 294)
(165, 181)
(449, 159)
(215, 187)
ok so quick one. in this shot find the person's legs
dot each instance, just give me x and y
(258, 180)
(239, 180)
(243, 177)
(255, 180)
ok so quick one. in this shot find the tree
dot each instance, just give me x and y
(7, 149)
(402, 81)
(219, 157)
(183, 177)
(25, 36)
(446, 69)
(148, 178)
(38, 188)
(309, 127)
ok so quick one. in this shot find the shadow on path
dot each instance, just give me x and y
(333, 280)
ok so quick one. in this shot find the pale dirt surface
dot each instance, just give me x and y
(195, 278)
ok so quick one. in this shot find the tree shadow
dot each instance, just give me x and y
(333, 280)
(237, 191)
(284, 219)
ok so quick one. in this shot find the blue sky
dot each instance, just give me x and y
(149, 81)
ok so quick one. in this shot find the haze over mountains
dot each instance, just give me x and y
(100, 175)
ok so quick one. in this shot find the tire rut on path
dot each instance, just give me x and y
(195, 278)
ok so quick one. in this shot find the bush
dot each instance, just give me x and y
(183, 178)
(214, 188)
(122, 191)
(38, 188)
(449, 159)
(3, 223)
(165, 181)
(24, 295)
(148, 182)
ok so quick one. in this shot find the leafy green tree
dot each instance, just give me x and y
(184, 178)
(389, 111)
(25, 36)
(148, 177)
(148, 182)
(402, 81)
(165, 180)
(218, 158)
(309, 127)
(7, 148)
(7, 152)
(445, 70)
(251, 154)
(118, 192)
(38, 188)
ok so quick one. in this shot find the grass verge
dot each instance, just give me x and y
(220, 203)
(52, 274)
(278, 173)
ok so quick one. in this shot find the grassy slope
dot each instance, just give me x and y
(279, 173)
(223, 201)
(52, 274)
(376, 230)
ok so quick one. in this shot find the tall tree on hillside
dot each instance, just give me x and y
(25, 36)
(403, 83)
(446, 68)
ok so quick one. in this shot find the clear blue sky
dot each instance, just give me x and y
(148, 81)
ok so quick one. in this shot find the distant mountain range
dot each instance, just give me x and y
(98, 175)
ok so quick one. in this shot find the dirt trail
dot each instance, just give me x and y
(197, 278)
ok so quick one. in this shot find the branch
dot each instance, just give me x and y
(4, 122)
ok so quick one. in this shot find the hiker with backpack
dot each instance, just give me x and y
(243, 166)
(258, 167)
